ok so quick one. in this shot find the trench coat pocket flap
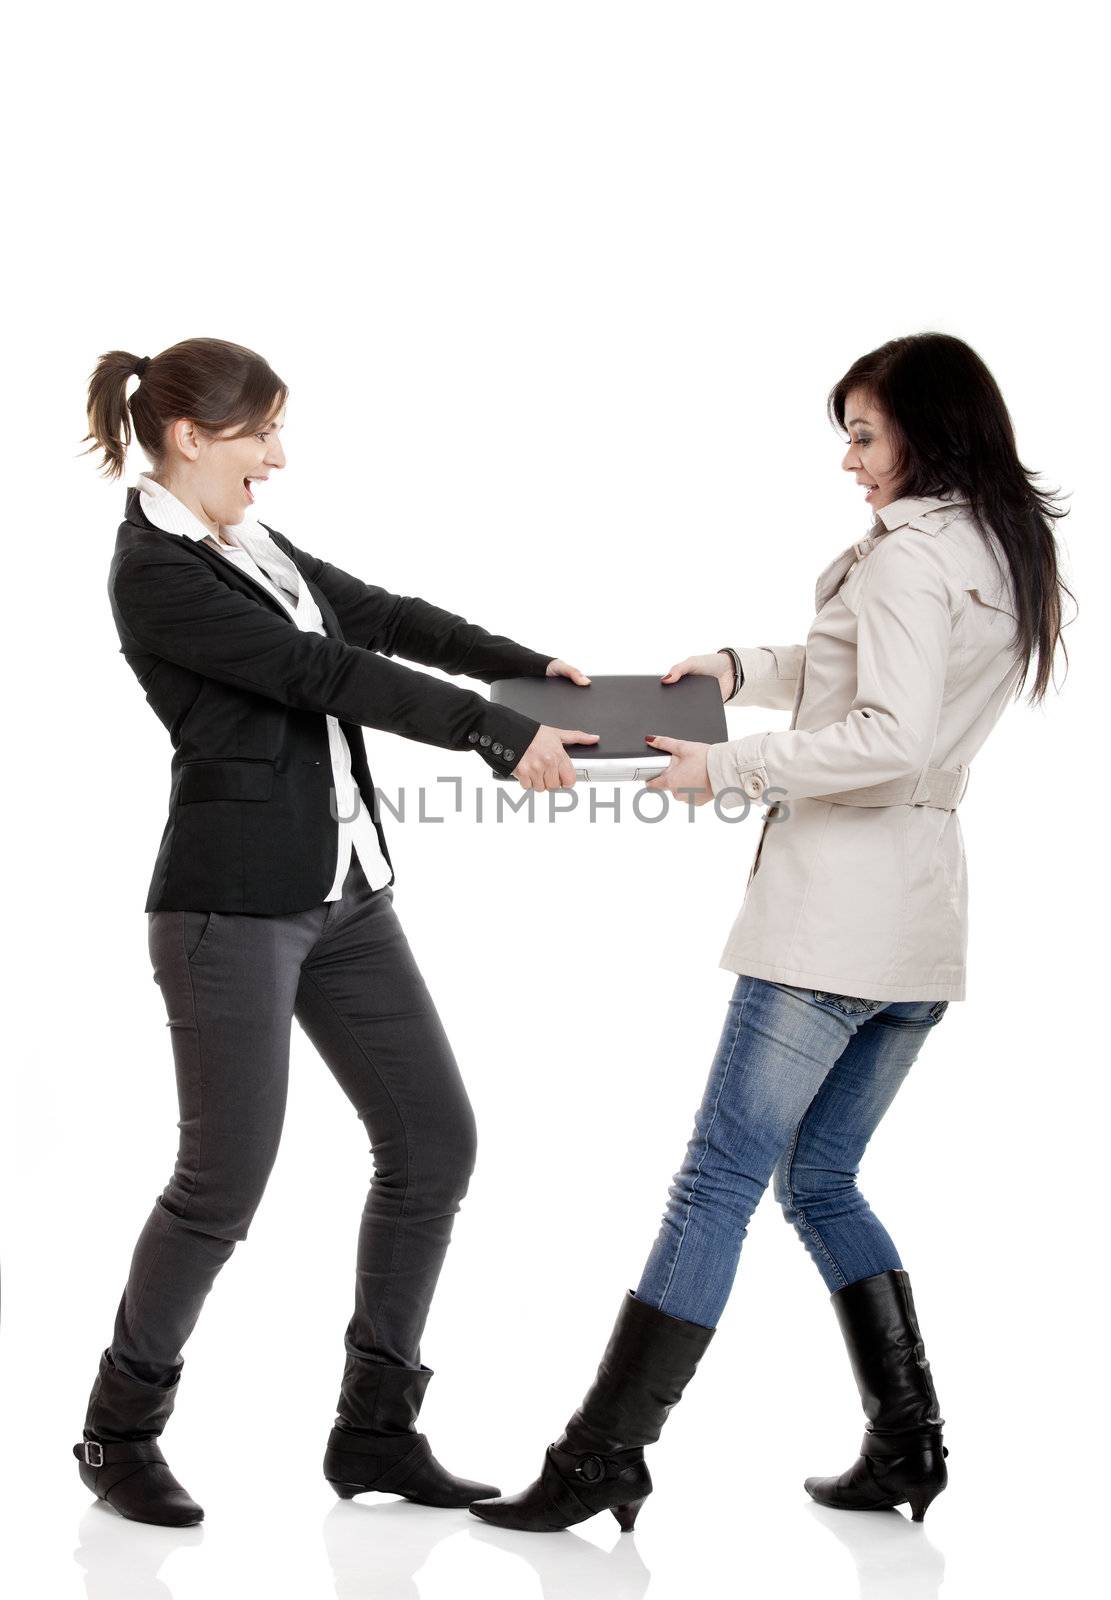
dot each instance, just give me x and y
(244, 778)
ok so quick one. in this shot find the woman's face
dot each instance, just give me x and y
(233, 466)
(212, 472)
(870, 456)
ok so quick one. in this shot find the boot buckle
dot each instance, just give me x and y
(92, 1460)
(590, 1469)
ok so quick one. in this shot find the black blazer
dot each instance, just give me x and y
(243, 692)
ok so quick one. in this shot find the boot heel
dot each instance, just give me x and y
(346, 1491)
(920, 1502)
(627, 1515)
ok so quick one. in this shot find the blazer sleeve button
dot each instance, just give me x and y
(497, 749)
(473, 737)
(510, 755)
(485, 740)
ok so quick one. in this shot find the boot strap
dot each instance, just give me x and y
(558, 1491)
(595, 1467)
(368, 1444)
(358, 1447)
(114, 1452)
(392, 1479)
(904, 1442)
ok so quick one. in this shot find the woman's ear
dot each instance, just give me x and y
(181, 437)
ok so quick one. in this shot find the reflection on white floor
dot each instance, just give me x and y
(380, 1550)
(567, 1564)
(893, 1556)
(123, 1560)
(378, 1546)
(384, 1549)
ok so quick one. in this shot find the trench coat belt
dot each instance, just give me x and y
(937, 786)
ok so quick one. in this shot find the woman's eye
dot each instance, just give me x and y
(265, 435)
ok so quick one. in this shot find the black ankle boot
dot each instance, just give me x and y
(597, 1463)
(902, 1457)
(119, 1457)
(374, 1445)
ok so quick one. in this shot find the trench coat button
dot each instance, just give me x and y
(473, 737)
(754, 786)
(485, 740)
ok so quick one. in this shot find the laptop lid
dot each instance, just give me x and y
(622, 709)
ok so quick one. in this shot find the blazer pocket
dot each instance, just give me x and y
(221, 778)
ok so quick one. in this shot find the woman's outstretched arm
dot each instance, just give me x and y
(172, 606)
(405, 625)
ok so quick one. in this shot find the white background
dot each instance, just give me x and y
(559, 292)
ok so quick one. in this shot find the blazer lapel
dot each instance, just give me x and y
(327, 614)
(255, 587)
(233, 575)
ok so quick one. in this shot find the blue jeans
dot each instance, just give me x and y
(799, 1083)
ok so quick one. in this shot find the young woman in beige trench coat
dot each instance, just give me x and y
(851, 940)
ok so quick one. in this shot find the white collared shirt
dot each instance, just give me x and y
(251, 549)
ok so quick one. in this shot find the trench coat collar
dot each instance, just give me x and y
(915, 513)
(907, 512)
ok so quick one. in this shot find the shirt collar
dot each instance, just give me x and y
(172, 515)
(908, 509)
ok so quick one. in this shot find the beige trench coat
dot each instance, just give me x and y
(858, 883)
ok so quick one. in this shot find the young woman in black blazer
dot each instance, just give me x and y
(272, 897)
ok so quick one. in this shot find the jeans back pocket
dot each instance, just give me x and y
(851, 1005)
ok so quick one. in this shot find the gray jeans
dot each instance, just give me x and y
(231, 984)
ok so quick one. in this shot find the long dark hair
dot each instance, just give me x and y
(213, 383)
(951, 434)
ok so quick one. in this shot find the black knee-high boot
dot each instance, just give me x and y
(902, 1457)
(597, 1463)
(120, 1458)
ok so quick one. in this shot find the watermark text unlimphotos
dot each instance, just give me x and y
(446, 798)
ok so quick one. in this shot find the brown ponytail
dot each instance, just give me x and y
(214, 384)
